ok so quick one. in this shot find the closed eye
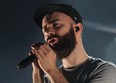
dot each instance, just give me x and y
(56, 25)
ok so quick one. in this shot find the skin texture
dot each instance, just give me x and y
(60, 24)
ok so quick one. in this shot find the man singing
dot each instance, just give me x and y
(62, 27)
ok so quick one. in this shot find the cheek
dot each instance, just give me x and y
(45, 37)
(63, 30)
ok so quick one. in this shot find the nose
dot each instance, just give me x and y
(49, 32)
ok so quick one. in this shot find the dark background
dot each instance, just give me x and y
(18, 32)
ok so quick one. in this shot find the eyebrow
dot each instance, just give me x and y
(51, 21)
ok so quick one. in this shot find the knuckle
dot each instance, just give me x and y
(49, 53)
(39, 50)
(40, 46)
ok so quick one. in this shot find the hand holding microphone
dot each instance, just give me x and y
(44, 54)
(43, 60)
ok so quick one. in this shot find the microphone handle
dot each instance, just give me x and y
(25, 62)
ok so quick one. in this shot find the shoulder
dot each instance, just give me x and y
(104, 71)
(102, 64)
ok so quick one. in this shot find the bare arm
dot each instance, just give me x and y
(36, 76)
(55, 76)
(37, 73)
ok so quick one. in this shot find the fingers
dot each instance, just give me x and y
(44, 53)
(44, 49)
(35, 64)
(41, 51)
(46, 56)
(48, 48)
(38, 54)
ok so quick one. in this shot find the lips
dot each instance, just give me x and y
(53, 41)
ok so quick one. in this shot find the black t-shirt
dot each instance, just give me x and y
(93, 70)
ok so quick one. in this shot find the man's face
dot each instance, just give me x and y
(59, 34)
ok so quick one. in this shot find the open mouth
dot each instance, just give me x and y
(53, 41)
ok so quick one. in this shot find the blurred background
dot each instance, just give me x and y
(18, 32)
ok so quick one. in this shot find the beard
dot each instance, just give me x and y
(65, 45)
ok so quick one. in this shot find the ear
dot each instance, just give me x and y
(78, 27)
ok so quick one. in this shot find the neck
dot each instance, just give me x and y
(76, 58)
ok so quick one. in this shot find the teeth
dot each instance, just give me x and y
(53, 41)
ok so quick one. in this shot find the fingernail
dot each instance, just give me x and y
(32, 47)
(30, 53)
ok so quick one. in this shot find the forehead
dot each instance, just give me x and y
(56, 16)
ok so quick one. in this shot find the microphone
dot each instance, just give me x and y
(28, 60)
(25, 62)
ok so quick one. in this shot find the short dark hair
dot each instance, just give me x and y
(50, 8)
